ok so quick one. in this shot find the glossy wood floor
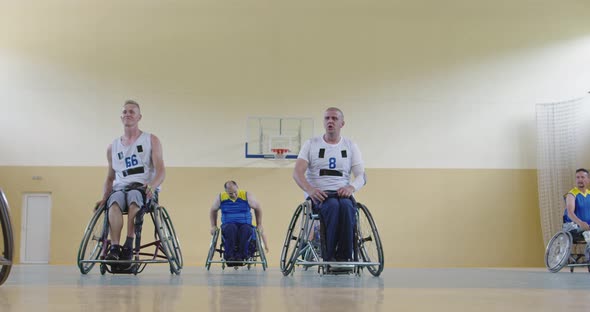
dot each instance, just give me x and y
(63, 288)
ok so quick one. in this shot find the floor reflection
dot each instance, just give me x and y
(56, 288)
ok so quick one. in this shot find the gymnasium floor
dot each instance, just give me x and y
(63, 288)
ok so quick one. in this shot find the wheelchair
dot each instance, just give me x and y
(566, 249)
(255, 252)
(96, 244)
(303, 246)
(7, 247)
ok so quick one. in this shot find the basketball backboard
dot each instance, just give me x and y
(265, 134)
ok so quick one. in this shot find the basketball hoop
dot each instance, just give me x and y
(280, 153)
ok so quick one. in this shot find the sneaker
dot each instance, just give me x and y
(126, 253)
(114, 253)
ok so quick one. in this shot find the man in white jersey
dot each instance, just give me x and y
(323, 170)
(136, 168)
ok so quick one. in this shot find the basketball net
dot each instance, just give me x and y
(557, 128)
(280, 153)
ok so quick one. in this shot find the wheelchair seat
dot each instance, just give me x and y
(255, 256)
(166, 247)
(301, 246)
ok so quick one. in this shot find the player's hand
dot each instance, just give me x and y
(99, 204)
(213, 229)
(317, 195)
(585, 226)
(345, 191)
(149, 191)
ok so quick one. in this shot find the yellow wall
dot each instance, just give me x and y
(426, 217)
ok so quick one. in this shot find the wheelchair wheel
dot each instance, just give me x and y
(165, 238)
(260, 251)
(7, 247)
(369, 241)
(558, 251)
(291, 245)
(175, 242)
(212, 246)
(93, 240)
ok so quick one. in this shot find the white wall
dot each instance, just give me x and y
(423, 84)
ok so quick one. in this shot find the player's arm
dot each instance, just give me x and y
(108, 184)
(255, 205)
(570, 204)
(299, 176)
(213, 214)
(158, 161)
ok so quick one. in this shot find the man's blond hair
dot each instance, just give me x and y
(132, 102)
(336, 109)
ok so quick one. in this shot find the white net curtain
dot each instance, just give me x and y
(557, 131)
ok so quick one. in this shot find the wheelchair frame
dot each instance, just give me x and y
(7, 239)
(259, 253)
(301, 250)
(560, 252)
(95, 243)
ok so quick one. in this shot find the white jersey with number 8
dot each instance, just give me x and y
(329, 165)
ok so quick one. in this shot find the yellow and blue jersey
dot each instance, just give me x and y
(582, 209)
(235, 211)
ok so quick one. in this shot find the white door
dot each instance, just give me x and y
(36, 221)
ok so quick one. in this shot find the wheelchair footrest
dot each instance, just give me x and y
(123, 261)
(357, 263)
(117, 269)
(340, 269)
(236, 262)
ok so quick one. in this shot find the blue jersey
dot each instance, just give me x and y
(235, 211)
(582, 209)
